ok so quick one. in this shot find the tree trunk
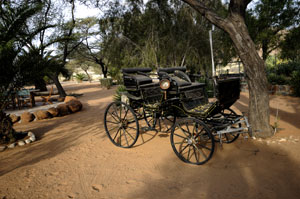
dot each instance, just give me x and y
(88, 75)
(7, 132)
(259, 113)
(234, 25)
(103, 67)
(40, 84)
(59, 87)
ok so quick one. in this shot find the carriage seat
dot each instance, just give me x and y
(202, 110)
(135, 77)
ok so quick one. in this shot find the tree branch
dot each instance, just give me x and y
(207, 12)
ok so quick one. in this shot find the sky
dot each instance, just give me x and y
(83, 11)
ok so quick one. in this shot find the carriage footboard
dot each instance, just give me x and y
(239, 125)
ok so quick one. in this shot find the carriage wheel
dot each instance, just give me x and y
(192, 141)
(166, 123)
(150, 117)
(121, 124)
(229, 137)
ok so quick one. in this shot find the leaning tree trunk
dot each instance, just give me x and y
(40, 84)
(259, 112)
(59, 87)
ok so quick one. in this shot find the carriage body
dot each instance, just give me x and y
(184, 105)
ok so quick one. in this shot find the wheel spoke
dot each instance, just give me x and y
(125, 136)
(113, 128)
(195, 154)
(188, 130)
(202, 130)
(131, 128)
(129, 134)
(200, 151)
(183, 149)
(203, 146)
(180, 142)
(183, 131)
(114, 117)
(180, 136)
(116, 134)
(125, 114)
(113, 122)
(188, 157)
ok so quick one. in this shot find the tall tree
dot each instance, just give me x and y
(14, 16)
(269, 20)
(290, 46)
(234, 24)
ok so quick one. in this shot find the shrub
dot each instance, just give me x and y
(80, 76)
(106, 82)
(287, 68)
(295, 83)
(277, 79)
(117, 96)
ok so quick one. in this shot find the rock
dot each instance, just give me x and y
(30, 133)
(53, 111)
(2, 148)
(63, 109)
(69, 98)
(282, 140)
(60, 99)
(21, 143)
(11, 146)
(74, 105)
(27, 117)
(27, 141)
(42, 114)
(14, 118)
(32, 138)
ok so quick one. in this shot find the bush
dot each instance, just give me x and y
(277, 79)
(295, 83)
(106, 82)
(80, 76)
(117, 96)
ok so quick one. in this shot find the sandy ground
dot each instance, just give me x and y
(73, 158)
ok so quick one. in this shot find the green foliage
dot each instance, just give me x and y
(115, 74)
(274, 79)
(268, 21)
(290, 46)
(80, 76)
(284, 73)
(106, 82)
(295, 83)
(120, 89)
(159, 34)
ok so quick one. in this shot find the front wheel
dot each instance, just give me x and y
(121, 124)
(192, 141)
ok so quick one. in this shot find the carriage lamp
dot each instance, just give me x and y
(164, 84)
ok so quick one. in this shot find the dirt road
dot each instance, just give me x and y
(73, 158)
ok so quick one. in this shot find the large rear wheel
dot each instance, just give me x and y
(192, 141)
(121, 124)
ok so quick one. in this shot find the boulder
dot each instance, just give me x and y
(53, 111)
(63, 109)
(42, 114)
(60, 99)
(14, 118)
(69, 98)
(74, 105)
(27, 117)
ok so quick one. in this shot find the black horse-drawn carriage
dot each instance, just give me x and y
(179, 106)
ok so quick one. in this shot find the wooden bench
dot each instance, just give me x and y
(46, 95)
